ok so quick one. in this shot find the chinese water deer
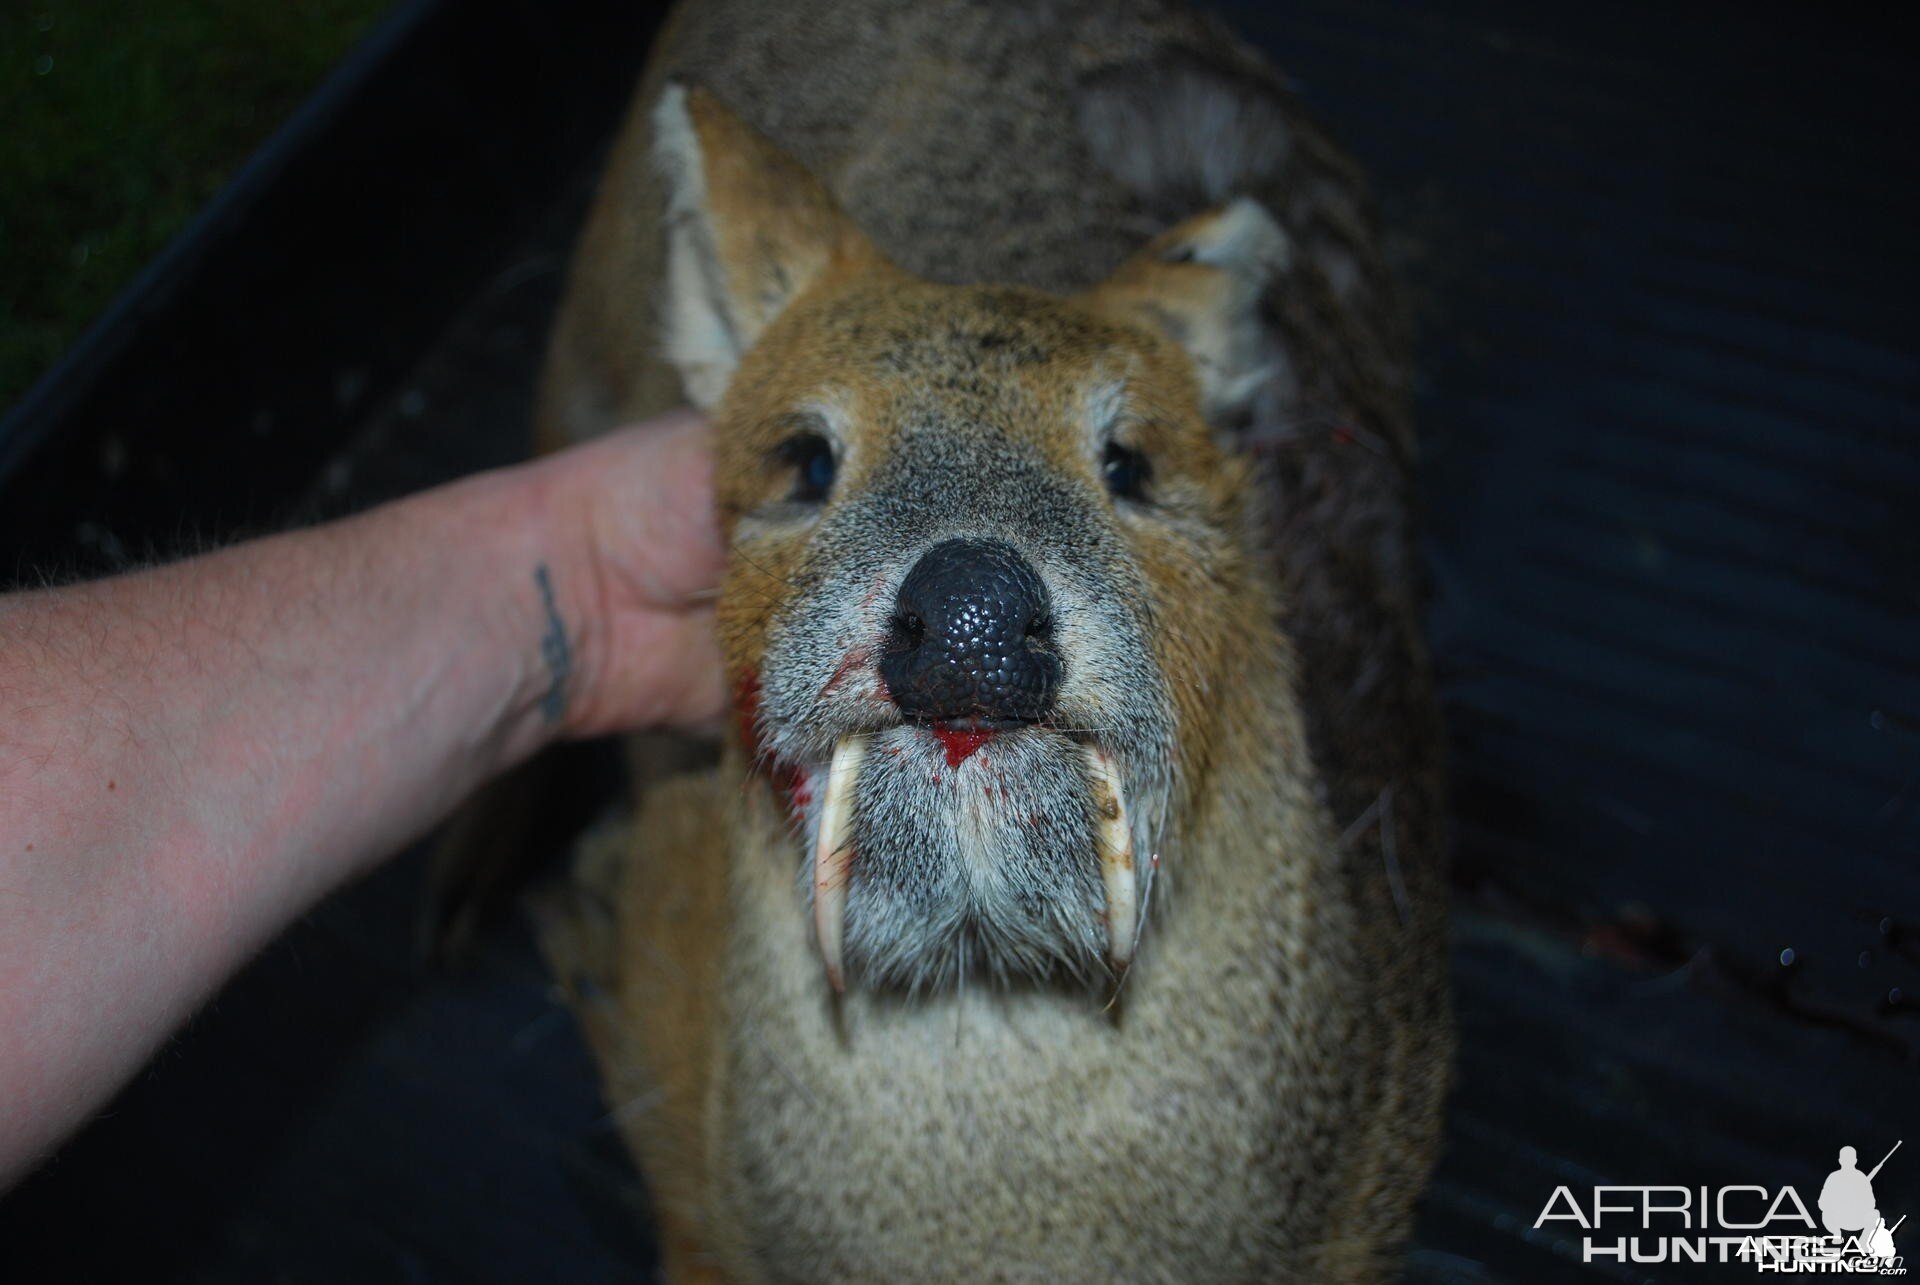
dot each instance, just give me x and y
(1068, 900)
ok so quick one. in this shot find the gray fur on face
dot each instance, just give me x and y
(986, 870)
(987, 865)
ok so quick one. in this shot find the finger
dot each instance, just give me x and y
(670, 539)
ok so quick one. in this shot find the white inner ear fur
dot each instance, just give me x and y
(699, 334)
(1232, 354)
(1242, 239)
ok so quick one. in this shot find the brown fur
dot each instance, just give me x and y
(1263, 1101)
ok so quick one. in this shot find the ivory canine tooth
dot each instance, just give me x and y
(833, 854)
(1113, 838)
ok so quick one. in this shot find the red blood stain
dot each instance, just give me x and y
(848, 664)
(961, 742)
(788, 778)
(746, 709)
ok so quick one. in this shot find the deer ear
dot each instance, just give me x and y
(748, 231)
(1200, 285)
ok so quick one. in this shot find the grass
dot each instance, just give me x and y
(122, 117)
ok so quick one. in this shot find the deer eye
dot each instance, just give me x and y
(1125, 472)
(811, 458)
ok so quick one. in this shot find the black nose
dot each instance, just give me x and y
(972, 637)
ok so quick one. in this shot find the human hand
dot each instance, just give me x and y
(636, 507)
(192, 754)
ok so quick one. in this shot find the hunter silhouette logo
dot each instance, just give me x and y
(1771, 1231)
(1847, 1207)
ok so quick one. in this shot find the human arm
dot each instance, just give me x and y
(192, 755)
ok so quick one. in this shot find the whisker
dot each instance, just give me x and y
(741, 554)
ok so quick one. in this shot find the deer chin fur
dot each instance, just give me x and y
(1014, 863)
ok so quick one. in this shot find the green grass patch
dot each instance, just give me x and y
(121, 118)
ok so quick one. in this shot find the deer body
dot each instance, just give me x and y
(1139, 976)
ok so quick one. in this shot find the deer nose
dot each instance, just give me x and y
(972, 637)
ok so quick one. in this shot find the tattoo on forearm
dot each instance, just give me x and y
(555, 647)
